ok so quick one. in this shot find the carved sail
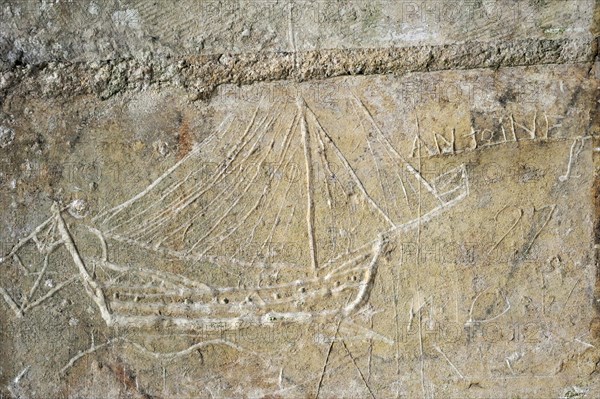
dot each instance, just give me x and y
(273, 179)
(269, 185)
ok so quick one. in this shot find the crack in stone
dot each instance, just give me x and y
(200, 75)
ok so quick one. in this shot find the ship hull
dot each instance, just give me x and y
(340, 288)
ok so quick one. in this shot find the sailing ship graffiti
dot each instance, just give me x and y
(203, 224)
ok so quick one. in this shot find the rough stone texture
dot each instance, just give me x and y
(36, 32)
(200, 75)
(299, 199)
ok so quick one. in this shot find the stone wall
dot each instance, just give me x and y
(299, 199)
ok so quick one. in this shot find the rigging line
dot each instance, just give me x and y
(215, 224)
(270, 199)
(50, 293)
(11, 302)
(379, 178)
(376, 162)
(310, 211)
(395, 287)
(216, 260)
(292, 34)
(171, 210)
(392, 151)
(25, 240)
(401, 175)
(258, 202)
(407, 226)
(412, 170)
(289, 222)
(330, 199)
(36, 284)
(270, 236)
(266, 121)
(220, 131)
(349, 169)
(109, 214)
(325, 161)
(19, 263)
(324, 370)
(286, 148)
(116, 210)
(46, 237)
(394, 157)
(360, 373)
(152, 221)
(250, 238)
(227, 191)
(240, 196)
(403, 189)
(174, 186)
(181, 203)
(158, 202)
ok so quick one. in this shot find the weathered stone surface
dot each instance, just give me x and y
(112, 29)
(403, 210)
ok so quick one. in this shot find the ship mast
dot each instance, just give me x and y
(310, 209)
